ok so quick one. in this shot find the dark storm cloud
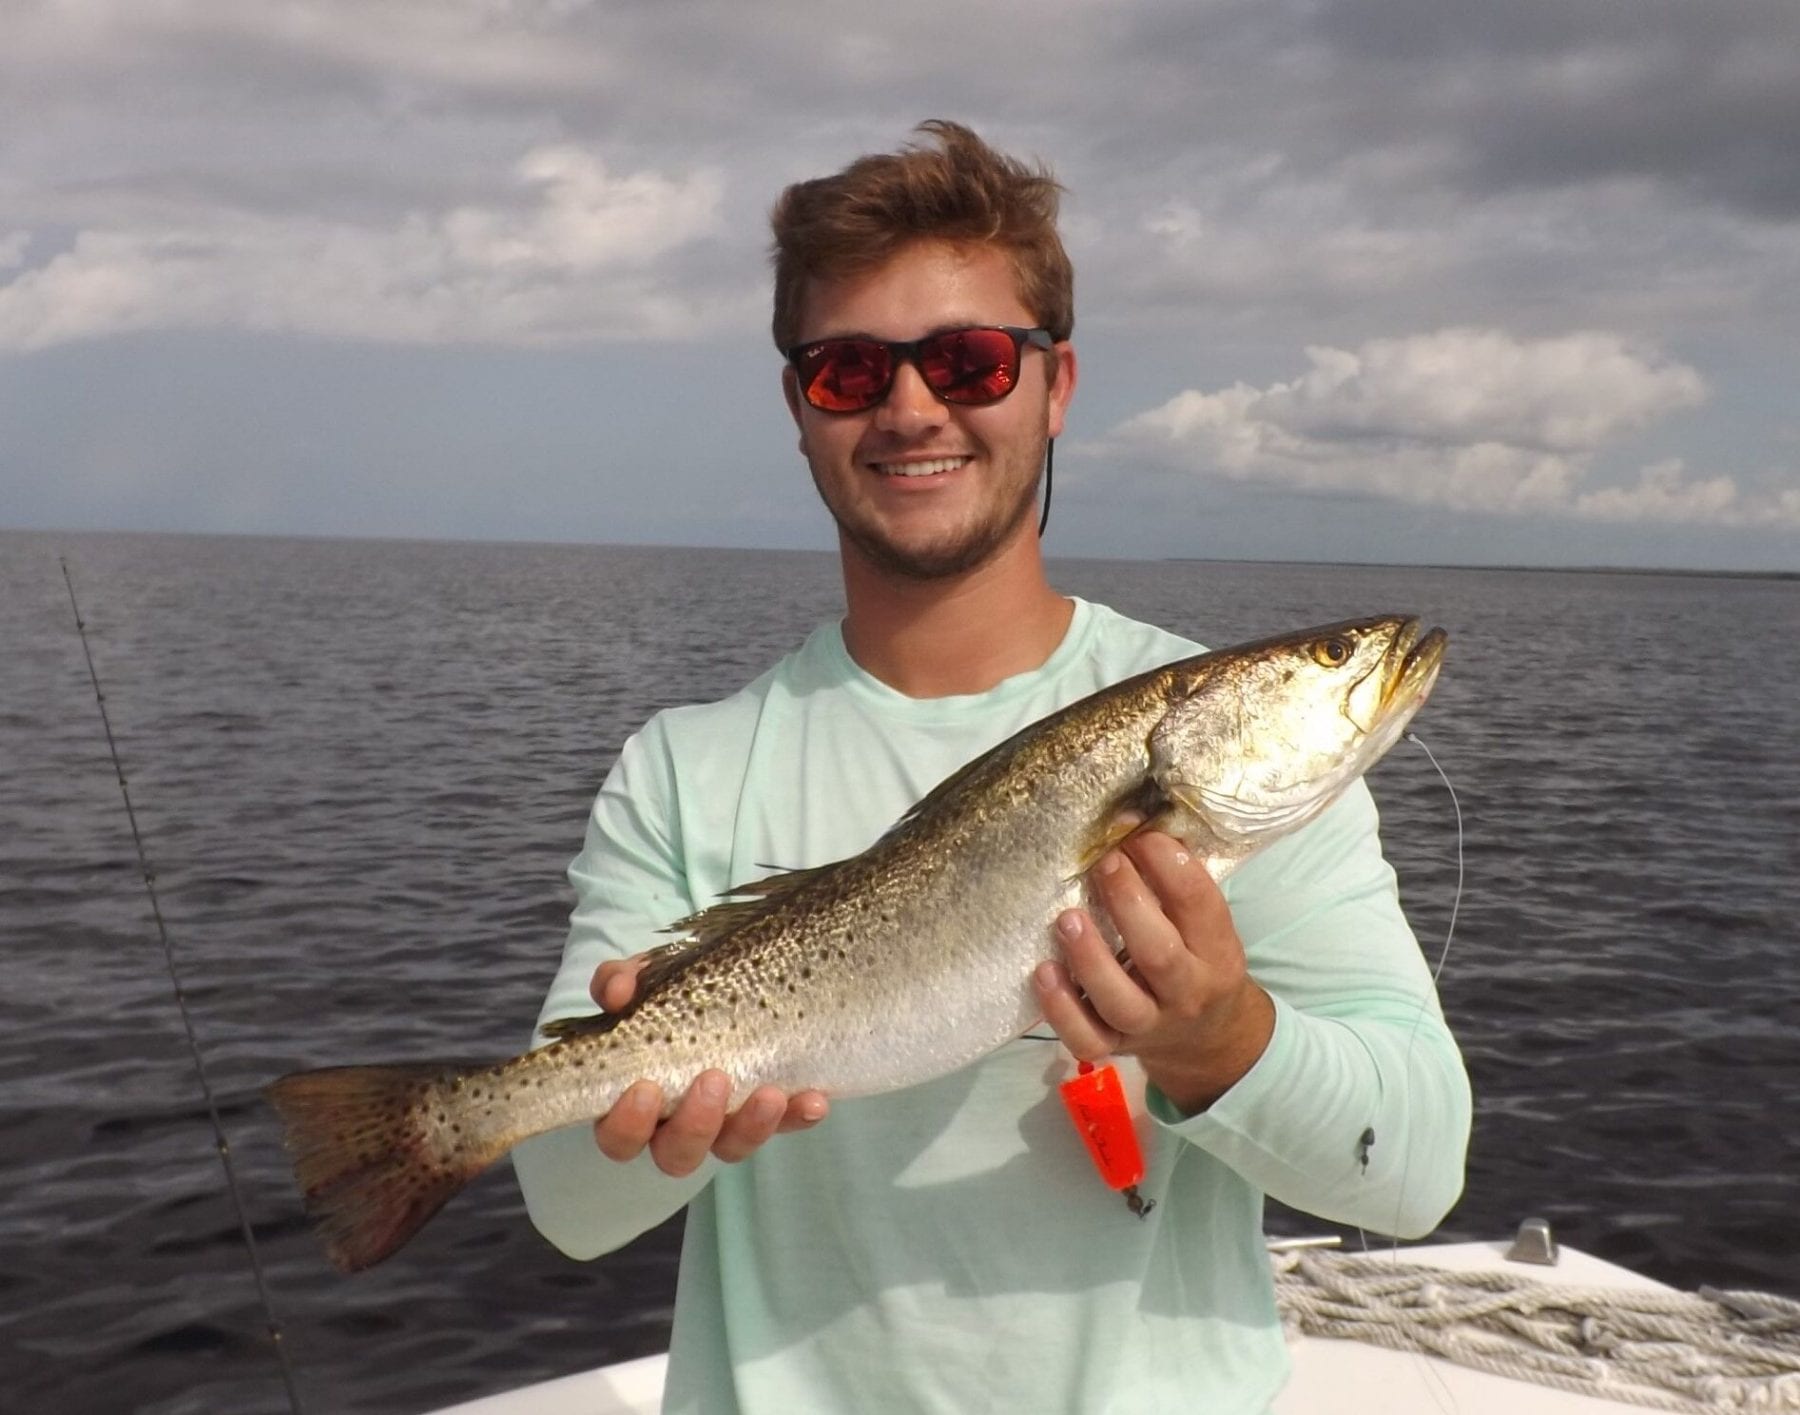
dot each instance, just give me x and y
(1702, 96)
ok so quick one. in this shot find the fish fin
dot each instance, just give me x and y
(1103, 838)
(951, 784)
(658, 963)
(366, 1164)
(997, 759)
(740, 903)
(1143, 807)
(587, 1024)
(773, 886)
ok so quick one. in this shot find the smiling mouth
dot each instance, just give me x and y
(926, 468)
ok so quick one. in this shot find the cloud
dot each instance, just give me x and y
(1467, 419)
(1245, 179)
(1550, 93)
(577, 256)
(1664, 492)
(1480, 386)
(1445, 158)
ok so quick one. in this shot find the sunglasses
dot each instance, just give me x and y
(970, 367)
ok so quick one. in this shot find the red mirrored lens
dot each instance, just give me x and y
(970, 365)
(846, 375)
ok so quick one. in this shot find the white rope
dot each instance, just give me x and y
(1714, 1352)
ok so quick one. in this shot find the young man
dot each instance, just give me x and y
(949, 1247)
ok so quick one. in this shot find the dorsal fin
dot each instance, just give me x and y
(592, 1023)
(698, 933)
(740, 904)
(946, 787)
(659, 962)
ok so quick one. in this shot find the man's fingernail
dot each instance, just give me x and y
(715, 1088)
(1046, 976)
(1068, 924)
(1109, 863)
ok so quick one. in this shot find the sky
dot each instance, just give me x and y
(1411, 281)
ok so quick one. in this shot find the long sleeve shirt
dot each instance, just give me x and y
(949, 1247)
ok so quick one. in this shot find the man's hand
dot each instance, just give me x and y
(1186, 1006)
(700, 1123)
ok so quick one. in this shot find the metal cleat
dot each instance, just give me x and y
(1534, 1243)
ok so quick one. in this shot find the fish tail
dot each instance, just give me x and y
(375, 1153)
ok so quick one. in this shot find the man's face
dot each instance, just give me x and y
(920, 487)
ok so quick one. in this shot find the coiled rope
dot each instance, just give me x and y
(1707, 1353)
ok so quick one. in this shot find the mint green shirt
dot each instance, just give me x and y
(949, 1248)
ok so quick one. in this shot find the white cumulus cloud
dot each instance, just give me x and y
(580, 256)
(1665, 492)
(1468, 419)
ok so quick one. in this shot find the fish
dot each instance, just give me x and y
(902, 963)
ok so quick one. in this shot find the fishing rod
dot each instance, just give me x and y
(187, 1021)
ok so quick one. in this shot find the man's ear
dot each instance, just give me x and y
(1062, 386)
(790, 389)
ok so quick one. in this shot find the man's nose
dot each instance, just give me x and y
(910, 406)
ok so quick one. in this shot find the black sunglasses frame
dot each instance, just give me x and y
(907, 351)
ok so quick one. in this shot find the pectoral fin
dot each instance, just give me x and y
(1141, 808)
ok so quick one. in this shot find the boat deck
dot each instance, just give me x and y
(1341, 1377)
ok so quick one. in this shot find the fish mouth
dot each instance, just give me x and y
(1411, 667)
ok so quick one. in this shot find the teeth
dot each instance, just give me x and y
(920, 469)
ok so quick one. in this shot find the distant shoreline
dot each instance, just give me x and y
(1510, 569)
(1708, 574)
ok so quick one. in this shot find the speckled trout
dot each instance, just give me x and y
(909, 960)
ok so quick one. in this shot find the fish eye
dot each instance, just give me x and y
(1332, 653)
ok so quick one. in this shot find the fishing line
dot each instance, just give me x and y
(187, 1023)
(1441, 1391)
(1419, 1016)
(1456, 805)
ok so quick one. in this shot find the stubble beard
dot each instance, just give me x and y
(967, 550)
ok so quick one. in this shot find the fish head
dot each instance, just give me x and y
(1261, 738)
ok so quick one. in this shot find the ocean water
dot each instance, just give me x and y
(361, 768)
